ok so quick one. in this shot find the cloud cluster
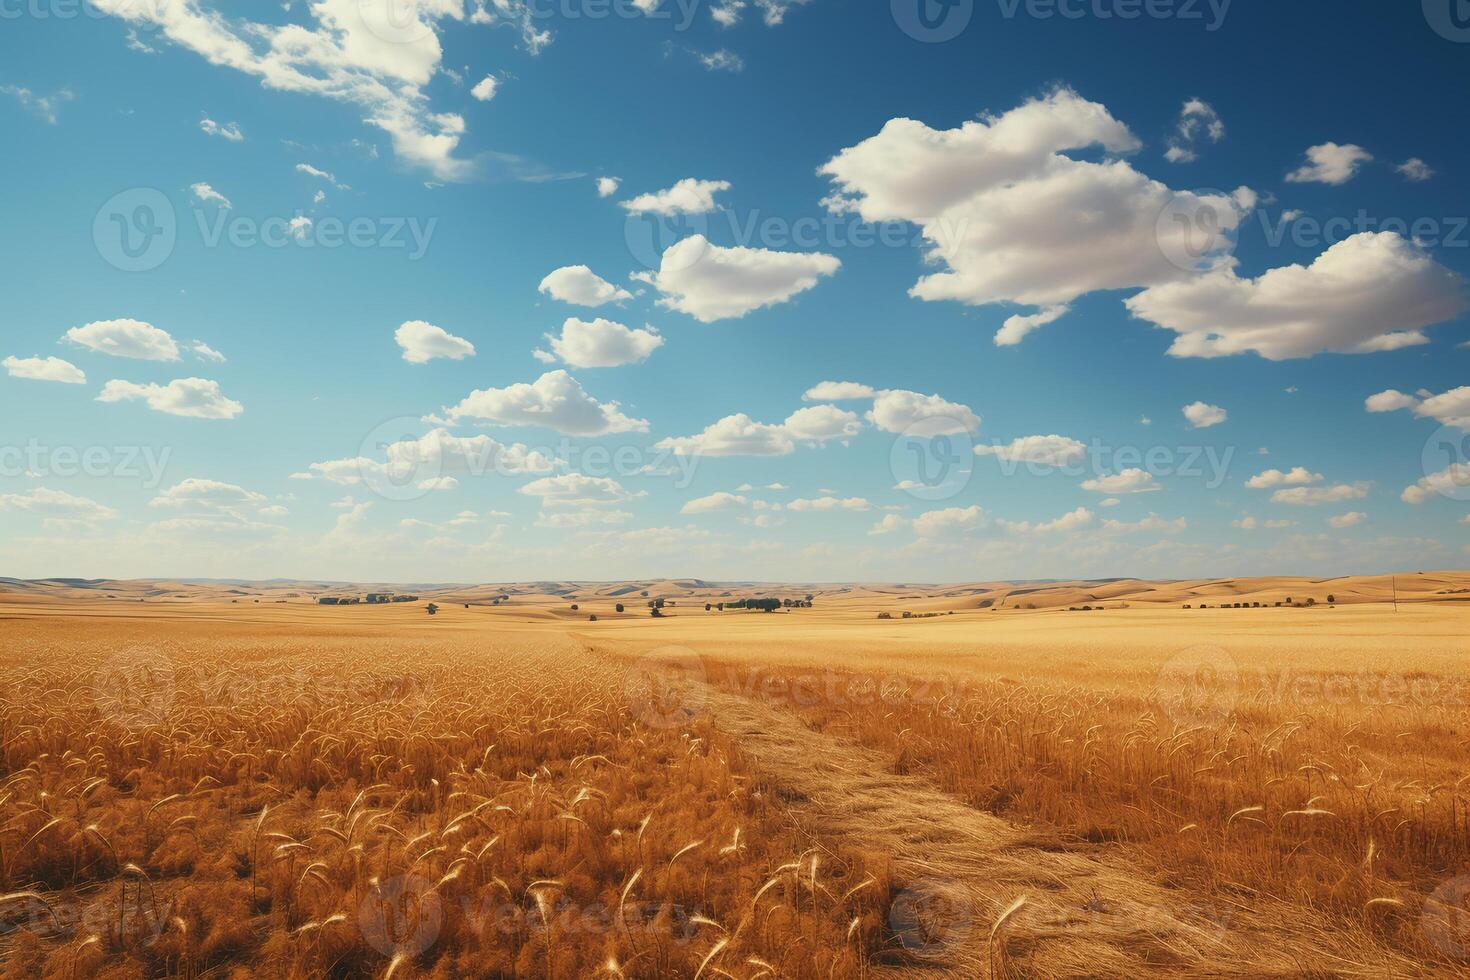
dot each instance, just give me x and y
(580, 286)
(422, 342)
(710, 282)
(44, 369)
(555, 401)
(196, 398)
(1450, 408)
(126, 338)
(601, 343)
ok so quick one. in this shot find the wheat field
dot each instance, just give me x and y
(199, 787)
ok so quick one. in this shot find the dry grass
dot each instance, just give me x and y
(229, 805)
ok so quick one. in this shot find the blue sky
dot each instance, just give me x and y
(1141, 263)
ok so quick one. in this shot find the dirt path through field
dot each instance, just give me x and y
(1084, 914)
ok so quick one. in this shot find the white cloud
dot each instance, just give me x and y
(1370, 292)
(715, 502)
(900, 411)
(1350, 519)
(1010, 218)
(822, 423)
(1202, 416)
(688, 196)
(1109, 502)
(210, 495)
(1073, 521)
(436, 454)
(733, 435)
(1132, 480)
(1449, 482)
(205, 194)
(1313, 496)
(57, 503)
(422, 342)
(838, 391)
(727, 13)
(830, 503)
(952, 520)
(230, 131)
(577, 490)
(189, 397)
(206, 353)
(44, 369)
(485, 88)
(1152, 522)
(1015, 329)
(1041, 450)
(126, 338)
(1450, 408)
(1390, 401)
(1415, 170)
(1330, 163)
(1198, 123)
(439, 483)
(607, 186)
(583, 518)
(555, 401)
(1269, 479)
(580, 285)
(721, 60)
(710, 282)
(889, 524)
(603, 343)
(320, 174)
(44, 106)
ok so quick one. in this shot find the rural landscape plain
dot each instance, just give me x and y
(734, 490)
(1254, 777)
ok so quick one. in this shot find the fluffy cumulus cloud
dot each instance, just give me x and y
(1038, 450)
(44, 369)
(196, 398)
(1015, 329)
(1152, 522)
(1415, 170)
(377, 56)
(733, 435)
(688, 196)
(433, 460)
(422, 342)
(838, 391)
(607, 186)
(1450, 408)
(578, 490)
(1316, 496)
(205, 194)
(1198, 123)
(485, 88)
(1297, 476)
(57, 504)
(602, 343)
(203, 494)
(1202, 416)
(830, 504)
(951, 520)
(1131, 480)
(126, 338)
(1450, 482)
(1374, 291)
(898, 410)
(715, 502)
(710, 282)
(1011, 218)
(228, 131)
(555, 401)
(822, 423)
(1330, 163)
(1073, 521)
(579, 285)
(1350, 519)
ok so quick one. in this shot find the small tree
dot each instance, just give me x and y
(1332, 600)
(432, 609)
(575, 607)
(708, 607)
(657, 613)
(620, 607)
